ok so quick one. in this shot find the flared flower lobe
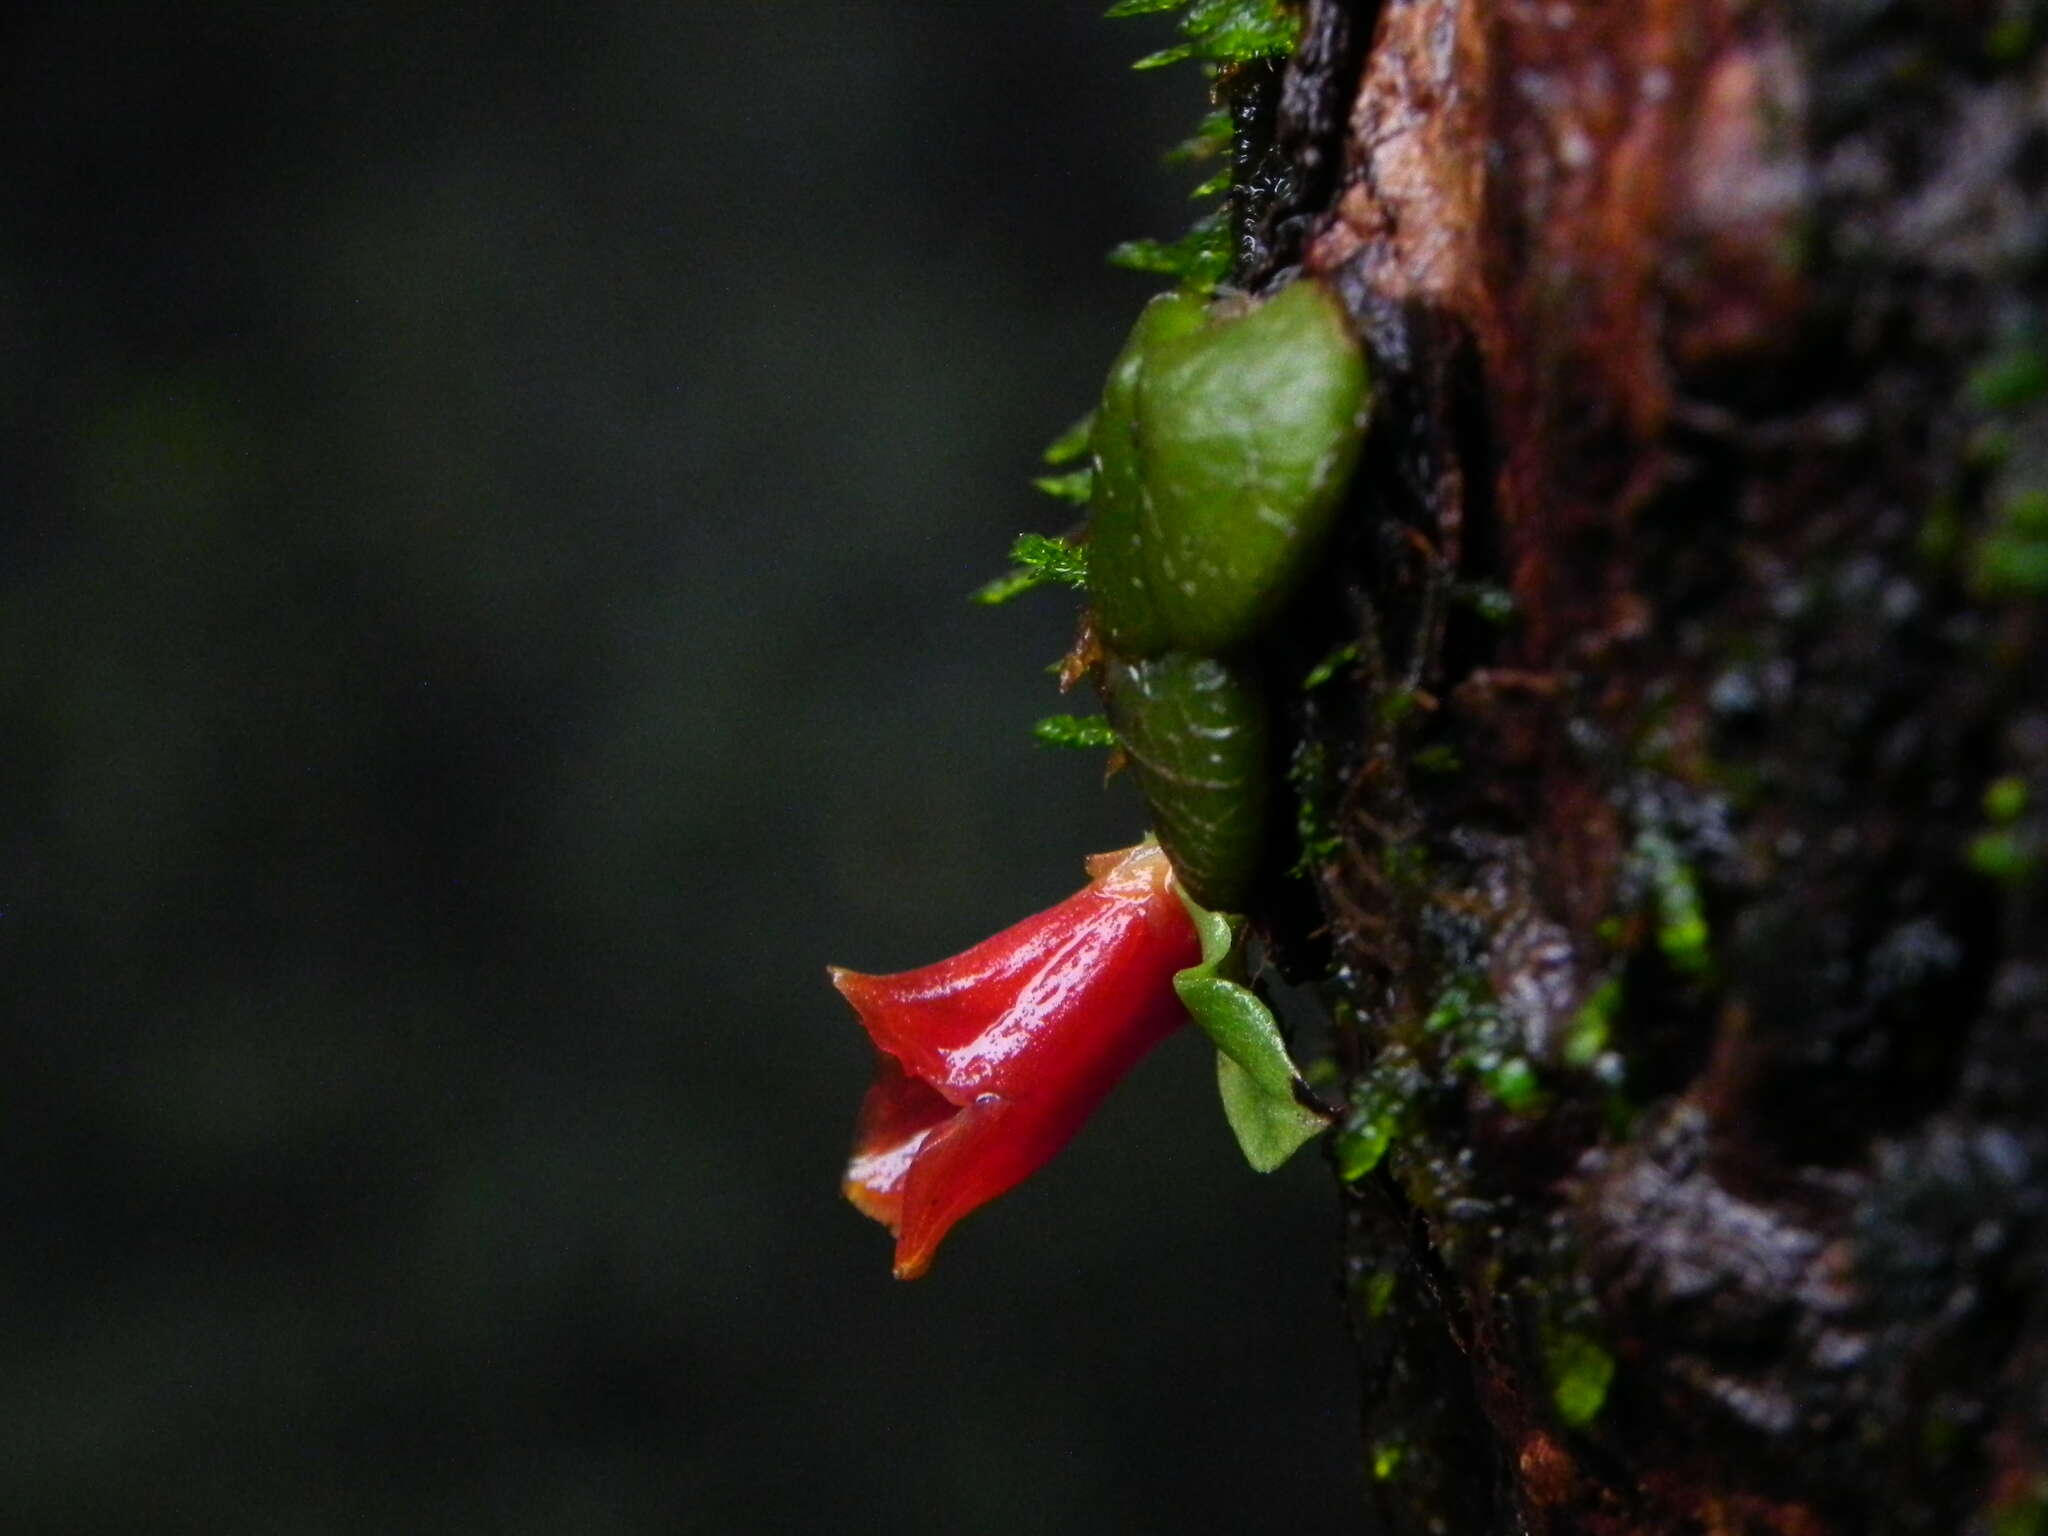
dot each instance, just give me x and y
(990, 1061)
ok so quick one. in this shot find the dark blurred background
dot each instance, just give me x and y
(488, 500)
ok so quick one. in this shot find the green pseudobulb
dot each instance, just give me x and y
(1195, 730)
(1228, 443)
(1124, 609)
(1221, 451)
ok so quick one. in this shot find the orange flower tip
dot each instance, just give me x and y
(914, 1268)
(872, 1203)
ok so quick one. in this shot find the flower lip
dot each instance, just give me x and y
(987, 1063)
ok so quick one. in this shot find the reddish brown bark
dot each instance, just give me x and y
(1676, 309)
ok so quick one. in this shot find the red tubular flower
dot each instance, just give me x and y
(988, 1062)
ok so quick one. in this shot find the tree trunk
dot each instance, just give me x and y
(1677, 826)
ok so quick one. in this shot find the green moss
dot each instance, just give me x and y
(1210, 141)
(1074, 731)
(1580, 1372)
(1457, 1010)
(1040, 561)
(1593, 1025)
(2002, 854)
(1199, 259)
(2009, 566)
(1362, 1144)
(2005, 799)
(1513, 1081)
(1314, 826)
(1377, 1292)
(1338, 659)
(1218, 32)
(1479, 1046)
(2015, 377)
(1382, 1100)
(1222, 35)
(1437, 760)
(1682, 932)
(2026, 514)
(2012, 558)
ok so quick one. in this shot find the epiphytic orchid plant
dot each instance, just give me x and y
(1217, 463)
(989, 1062)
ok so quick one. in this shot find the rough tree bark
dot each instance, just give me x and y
(1676, 828)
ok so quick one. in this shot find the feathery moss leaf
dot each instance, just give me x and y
(1040, 561)
(1074, 731)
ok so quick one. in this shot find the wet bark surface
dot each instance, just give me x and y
(1675, 811)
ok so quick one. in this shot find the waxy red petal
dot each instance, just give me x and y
(990, 1061)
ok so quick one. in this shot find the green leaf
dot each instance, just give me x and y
(1166, 56)
(995, 593)
(1269, 1131)
(1052, 559)
(1211, 138)
(1124, 8)
(1073, 486)
(1074, 731)
(1200, 258)
(1072, 443)
(1268, 1104)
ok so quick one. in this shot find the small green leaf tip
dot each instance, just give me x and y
(1270, 1107)
(1074, 731)
(1040, 561)
(1200, 258)
(1073, 486)
(1071, 444)
(1338, 660)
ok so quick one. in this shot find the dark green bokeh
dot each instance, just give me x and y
(487, 517)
